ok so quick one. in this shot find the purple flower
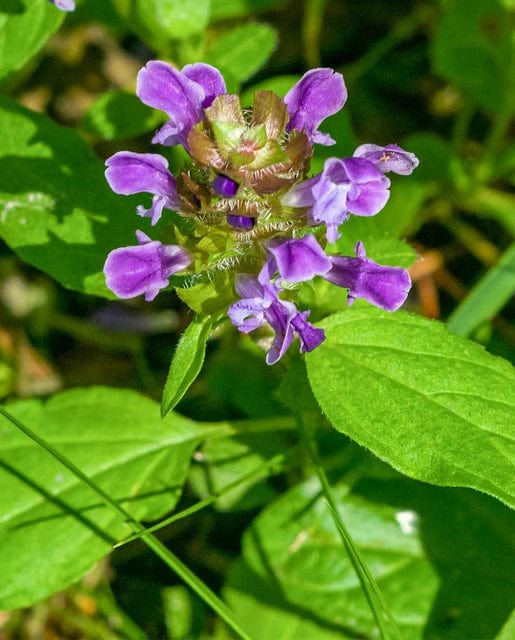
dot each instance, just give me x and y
(351, 185)
(64, 5)
(317, 95)
(389, 158)
(385, 287)
(300, 259)
(261, 304)
(182, 95)
(241, 222)
(225, 186)
(144, 268)
(129, 173)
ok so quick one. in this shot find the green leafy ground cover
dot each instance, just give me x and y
(397, 430)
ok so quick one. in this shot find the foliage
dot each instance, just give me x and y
(366, 481)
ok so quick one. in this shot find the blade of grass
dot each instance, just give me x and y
(276, 461)
(175, 564)
(380, 610)
(487, 297)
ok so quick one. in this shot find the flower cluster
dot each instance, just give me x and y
(64, 5)
(247, 192)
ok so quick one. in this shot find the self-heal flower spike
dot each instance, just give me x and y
(182, 95)
(64, 5)
(318, 94)
(144, 268)
(129, 173)
(389, 158)
(247, 205)
(382, 286)
(260, 304)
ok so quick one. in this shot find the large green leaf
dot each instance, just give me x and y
(473, 49)
(25, 26)
(53, 527)
(242, 51)
(433, 405)
(158, 22)
(225, 9)
(295, 581)
(56, 209)
(297, 566)
(118, 114)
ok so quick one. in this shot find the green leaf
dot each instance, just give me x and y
(467, 538)
(508, 631)
(487, 297)
(117, 114)
(158, 22)
(225, 9)
(25, 26)
(53, 527)
(298, 573)
(243, 50)
(433, 405)
(56, 209)
(187, 361)
(224, 461)
(473, 49)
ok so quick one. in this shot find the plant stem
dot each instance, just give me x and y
(311, 29)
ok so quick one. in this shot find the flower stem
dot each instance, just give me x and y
(311, 29)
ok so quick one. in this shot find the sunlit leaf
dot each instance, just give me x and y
(433, 405)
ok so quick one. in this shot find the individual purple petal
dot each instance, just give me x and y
(310, 337)
(247, 314)
(382, 286)
(144, 268)
(64, 5)
(161, 86)
(225, 186)
(129, 173)
(317, 95)
(279, 316)
(370, 188)
(301, 194)
(300, 259)
(330, 195)
(209, 78)
(389, 158)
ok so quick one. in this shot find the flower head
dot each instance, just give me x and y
(248, 203)
(144, 268)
